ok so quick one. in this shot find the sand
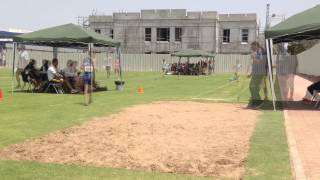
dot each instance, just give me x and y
(202, 139)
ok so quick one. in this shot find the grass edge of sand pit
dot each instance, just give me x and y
(260, 164)
(238, 126)
(269, 153)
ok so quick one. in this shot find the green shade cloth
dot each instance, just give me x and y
(68, 35)
(192, 53)
(304, 25)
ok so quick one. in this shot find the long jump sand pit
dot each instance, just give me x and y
(203, 139)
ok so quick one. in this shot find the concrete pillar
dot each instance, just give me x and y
(55, 52)
(172, 34)
(154, 34)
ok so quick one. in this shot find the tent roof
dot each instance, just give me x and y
(192, 53)
(304, 25)
(68, 35)
(7, 34)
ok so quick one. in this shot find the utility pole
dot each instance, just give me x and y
(268, 17)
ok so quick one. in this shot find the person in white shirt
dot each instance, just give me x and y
(23, 60)
(53, 75)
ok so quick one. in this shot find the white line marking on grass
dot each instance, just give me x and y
(214, 99)
(240, 93)
(232, 97)
(296, 163)
(213, 90)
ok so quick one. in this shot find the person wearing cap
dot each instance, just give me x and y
(23, 60)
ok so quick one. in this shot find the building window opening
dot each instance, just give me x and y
(178, 34)
(226, 36)
(163, 34)
(147, 34)
(111, 33)
(97, 31)
(245, 35)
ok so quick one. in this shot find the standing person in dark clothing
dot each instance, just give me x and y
(258, 75)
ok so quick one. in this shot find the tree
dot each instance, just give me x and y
(295, 48)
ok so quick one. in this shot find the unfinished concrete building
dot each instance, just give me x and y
(170, 30)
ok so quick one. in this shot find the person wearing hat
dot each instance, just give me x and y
(23, 60)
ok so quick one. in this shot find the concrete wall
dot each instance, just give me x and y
(237, 22)
(224, 63)
(199, 30)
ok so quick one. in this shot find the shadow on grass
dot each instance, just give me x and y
(288, 105)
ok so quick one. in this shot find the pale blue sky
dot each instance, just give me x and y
(37, 14)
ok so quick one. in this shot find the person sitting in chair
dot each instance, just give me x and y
(69, 76)
(44, 69)
(315, 87)
(31, 72)
(53, 75)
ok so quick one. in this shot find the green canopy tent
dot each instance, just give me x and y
(192, 53)
(302, 26)
(67, 36)
(189, 53)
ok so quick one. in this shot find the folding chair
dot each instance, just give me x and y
(316, 97)
(27, 80)
(56, 87)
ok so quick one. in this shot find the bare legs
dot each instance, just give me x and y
(87, 94)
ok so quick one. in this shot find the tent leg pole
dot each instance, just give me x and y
(269, 57)
(178, 68)
(271, 60)
(93, 73)
(55, 52)
(107, 62)
(90, 45)
(119, 56)
(13, 65)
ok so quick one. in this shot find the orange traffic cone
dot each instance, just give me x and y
(1, 95)
(141, 91)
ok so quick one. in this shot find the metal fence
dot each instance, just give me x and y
(224, 63)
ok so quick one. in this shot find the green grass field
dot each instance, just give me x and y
(27, 115)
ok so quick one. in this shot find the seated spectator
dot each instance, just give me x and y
(310, 90)
(43, 70)
(75, 68)
(53, 75)
(31, 72)
(69, 76)
(78, 78)
(45, 65)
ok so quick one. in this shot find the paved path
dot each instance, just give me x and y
(303, 129)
